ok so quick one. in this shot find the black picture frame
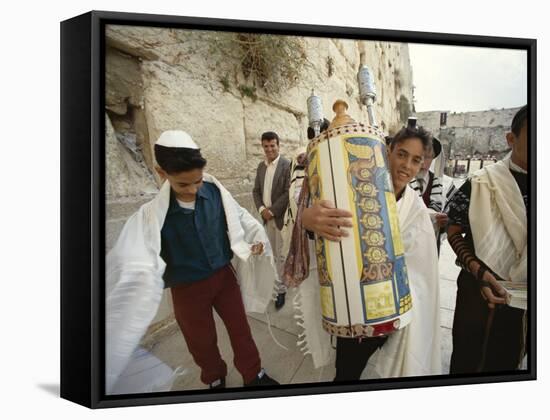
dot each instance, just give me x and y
(83, 206)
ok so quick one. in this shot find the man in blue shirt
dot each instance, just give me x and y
(196, 248)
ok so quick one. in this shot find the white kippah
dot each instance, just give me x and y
(176, 138)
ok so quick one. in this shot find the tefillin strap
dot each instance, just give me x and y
(464, 253)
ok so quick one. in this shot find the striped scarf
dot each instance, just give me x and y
(436, 194)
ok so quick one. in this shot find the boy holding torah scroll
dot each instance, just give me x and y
(409, 350)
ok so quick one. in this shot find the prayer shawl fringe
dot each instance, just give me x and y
(134, 270)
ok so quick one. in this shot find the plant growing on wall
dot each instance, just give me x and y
(268, 62)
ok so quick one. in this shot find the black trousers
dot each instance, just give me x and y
(505, 343)
(353, 354)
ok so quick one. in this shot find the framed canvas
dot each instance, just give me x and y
(245, 99)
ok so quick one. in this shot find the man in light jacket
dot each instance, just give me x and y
(271, 199)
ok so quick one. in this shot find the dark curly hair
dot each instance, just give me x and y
(408, 132)
(174, 160)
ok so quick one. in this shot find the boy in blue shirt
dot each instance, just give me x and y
(201, 228)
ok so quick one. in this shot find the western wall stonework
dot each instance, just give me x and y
(471, 133)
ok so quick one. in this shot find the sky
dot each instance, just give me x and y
(460, 79)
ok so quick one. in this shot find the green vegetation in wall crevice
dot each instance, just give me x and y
(271, 63)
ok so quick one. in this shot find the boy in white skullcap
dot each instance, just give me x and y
(195, 239)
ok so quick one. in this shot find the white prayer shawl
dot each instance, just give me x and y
(414, 350)
(134, 270)
(498, 220)
(438, 164)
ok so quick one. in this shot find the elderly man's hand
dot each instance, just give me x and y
(326, 220)
(493, 293)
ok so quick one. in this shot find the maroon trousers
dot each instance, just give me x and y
(193, 304)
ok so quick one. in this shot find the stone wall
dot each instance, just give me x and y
(159, 79)
(471, 133)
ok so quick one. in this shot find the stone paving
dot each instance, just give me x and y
(291, 366)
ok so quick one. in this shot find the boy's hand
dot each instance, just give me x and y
(326, 220)
(257, 248)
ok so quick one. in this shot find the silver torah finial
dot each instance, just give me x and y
(315, 112)
(367, 91)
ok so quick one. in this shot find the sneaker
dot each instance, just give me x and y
(262, 380)
(218, 384)
(280, 302)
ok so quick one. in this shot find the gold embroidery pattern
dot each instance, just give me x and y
(361, 178)
(377, 272)
(371, 221)
(369, 205)
(374, 238)
(366, 189)
(405, 304)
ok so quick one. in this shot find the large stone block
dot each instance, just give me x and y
(348, 48)
(260, 117)
(138, 41)
(123, 85)
(177, 100)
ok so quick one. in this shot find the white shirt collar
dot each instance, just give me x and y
(275, 161)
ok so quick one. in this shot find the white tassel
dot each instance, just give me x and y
(302, 344)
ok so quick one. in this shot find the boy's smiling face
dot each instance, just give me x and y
(405, 161)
